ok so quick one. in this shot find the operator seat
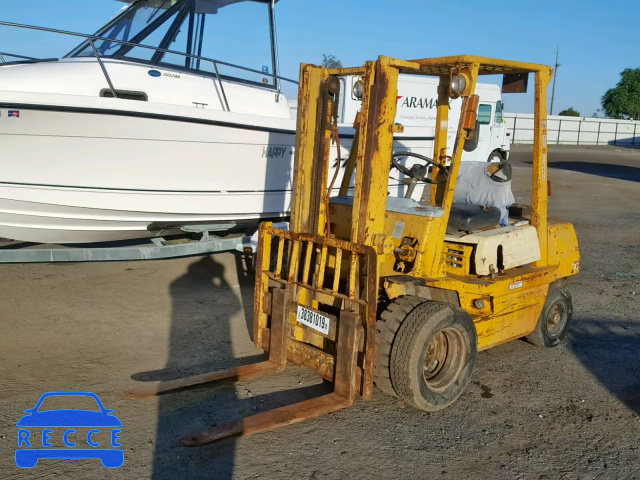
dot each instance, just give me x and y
(467, 218)
(482, 197)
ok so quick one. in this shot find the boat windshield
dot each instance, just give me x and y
(237, 32)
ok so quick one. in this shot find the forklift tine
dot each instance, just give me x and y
(271, 419)
(246, 372)
(349, 332)
(276, 363)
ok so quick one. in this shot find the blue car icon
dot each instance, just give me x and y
(69, 419)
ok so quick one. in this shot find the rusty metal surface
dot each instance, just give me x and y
(279, 332)
(539, 194)
(261, 304)
(351, 162)
(347, 356)
(433, 264)
(488, 66)
(345, 381)
(246, 372)
(304, 211)
(372, 181)
(276, 363)
(330, 292)
(440, 145)
(313, 279)
(311, 357)
(306, 242)
(266, 421)
(339, 278)
(321, 240)
(319, 361)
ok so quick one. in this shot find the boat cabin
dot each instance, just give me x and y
(187, 35)
(218, 55)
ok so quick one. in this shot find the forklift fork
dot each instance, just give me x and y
(343, 396)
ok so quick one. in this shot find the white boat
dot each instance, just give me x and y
(139, 131)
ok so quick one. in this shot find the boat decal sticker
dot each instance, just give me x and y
(155, 73)
(14, 113)
(274, 152)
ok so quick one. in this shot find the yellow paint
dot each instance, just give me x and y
(504, 307)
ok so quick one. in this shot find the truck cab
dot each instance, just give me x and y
(417, 105)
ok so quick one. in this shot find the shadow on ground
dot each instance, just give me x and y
(622, 172)
(628, 143)
(610, 351)
(200, 341)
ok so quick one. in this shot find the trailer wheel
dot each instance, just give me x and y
(555, 319)
(432, 355)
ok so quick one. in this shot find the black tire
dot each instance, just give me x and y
(386, 329)
(495, 157)
(432, 354)
(555, 319)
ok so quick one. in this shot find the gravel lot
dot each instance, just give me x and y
(571, 412)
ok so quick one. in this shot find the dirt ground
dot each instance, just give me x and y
(565, 413)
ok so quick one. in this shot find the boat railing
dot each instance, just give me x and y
(3, 56)
(93, 38)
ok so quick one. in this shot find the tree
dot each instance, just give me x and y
(623, 101)
(330, 61)
(570, 112)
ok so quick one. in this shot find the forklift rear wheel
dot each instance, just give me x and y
(555, 319)
(432, 356)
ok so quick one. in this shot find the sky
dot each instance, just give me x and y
(597, 39)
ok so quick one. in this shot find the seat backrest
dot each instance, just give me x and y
(476, 186)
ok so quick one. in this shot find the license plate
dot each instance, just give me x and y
(313, 320)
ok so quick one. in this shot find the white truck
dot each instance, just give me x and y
(417, 102)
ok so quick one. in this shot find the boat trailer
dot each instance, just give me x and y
(159, 248)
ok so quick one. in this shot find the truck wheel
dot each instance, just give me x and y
(554, 320)
(495, 157)
(432, 355)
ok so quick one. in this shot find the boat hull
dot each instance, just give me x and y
(43, 222)
(80, 173)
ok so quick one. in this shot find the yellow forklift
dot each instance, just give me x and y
(365, 288)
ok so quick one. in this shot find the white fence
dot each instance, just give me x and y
(575, 130)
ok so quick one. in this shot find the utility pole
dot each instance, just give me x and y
(555, 76)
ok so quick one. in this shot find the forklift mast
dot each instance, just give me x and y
(373, 147)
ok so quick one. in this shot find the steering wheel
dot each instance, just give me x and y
(417, 171)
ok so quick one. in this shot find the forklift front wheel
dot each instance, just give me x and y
(554, 320)
(433, 356)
